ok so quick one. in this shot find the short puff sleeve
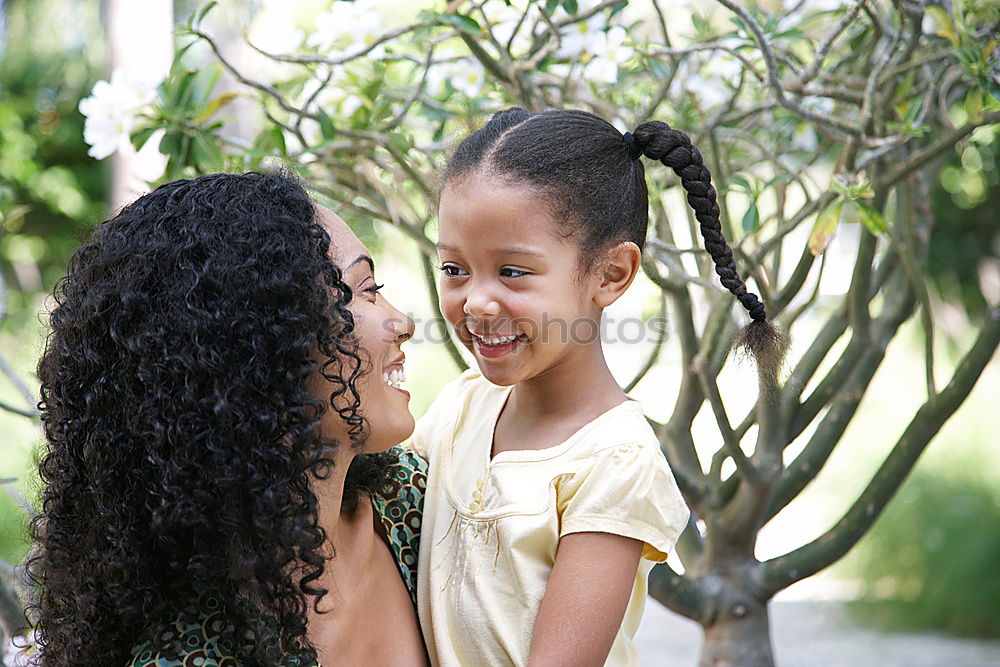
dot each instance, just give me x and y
(626, 490)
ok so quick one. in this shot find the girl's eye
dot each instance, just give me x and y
(374, 290)
(509, 272)
(451, 270)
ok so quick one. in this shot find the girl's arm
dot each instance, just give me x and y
(585, 600)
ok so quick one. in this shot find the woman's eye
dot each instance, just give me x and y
(508, 272)
(451, 270)
(374, 290)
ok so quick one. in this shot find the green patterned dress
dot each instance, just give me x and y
(200, 643)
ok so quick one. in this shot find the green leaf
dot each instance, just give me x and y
(170, 144)
(179, 99)
(213, 106)
(794, 33)
(326, 126)
(871, 218)
(399, 142)
(974, 105)
(657, 67)
(278, 140)
(826, 225)
(969, 55)
(739, 183)
(751, 219)
(140, 137)
(943, 22)
(550, 6)
(461, 22)
(207, 152)
(777, 179)
(993, 88)
(571, 7)
(203, 83)
(200, 16)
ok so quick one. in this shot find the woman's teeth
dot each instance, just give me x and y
(394, 377)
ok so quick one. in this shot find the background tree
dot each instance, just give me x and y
(812, 117)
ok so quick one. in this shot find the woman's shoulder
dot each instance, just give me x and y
(194, 637)
(201, 635)
(399, 507)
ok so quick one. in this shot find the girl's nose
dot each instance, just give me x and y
(480, 304)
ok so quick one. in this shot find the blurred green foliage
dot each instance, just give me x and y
(931, 560)
(50, 189)
(967, 229)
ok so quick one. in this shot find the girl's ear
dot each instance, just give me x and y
(616, 271)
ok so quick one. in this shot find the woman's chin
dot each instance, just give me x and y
(390, 434)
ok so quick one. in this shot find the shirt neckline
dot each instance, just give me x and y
(553, 451)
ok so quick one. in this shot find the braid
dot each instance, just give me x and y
(673, 148)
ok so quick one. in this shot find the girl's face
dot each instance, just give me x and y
(380, 330)
(511, 285)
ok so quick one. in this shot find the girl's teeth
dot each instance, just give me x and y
(497, 340)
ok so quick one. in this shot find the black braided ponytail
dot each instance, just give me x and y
(595, 186)
(658, 141)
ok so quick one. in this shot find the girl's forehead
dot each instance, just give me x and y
(487, 210)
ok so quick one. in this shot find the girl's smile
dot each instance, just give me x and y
(511, 285)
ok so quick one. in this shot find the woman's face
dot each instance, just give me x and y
(380, 330)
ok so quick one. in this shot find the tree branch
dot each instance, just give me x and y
(449, 343)
(811, 558)
(654, 353)
(680, 594)
(824, 48)
(772, 74)
(813, 457)
(12, 619)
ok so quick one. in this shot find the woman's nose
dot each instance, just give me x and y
(400, 325)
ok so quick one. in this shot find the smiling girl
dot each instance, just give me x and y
(549, 500)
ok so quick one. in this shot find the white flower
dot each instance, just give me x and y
(725, 67)
(466, 76)
(609, 53)
(350, 26)
(581, 36)
(19, 651)
(804, 138)
(823, 105)
(710, 91)
(713, 83)
(334, 96)
(366, 31)
(112, 109)
(505, 19)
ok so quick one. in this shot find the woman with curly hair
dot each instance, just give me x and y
(219, 390)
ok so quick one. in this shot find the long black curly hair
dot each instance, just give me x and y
(181, 441)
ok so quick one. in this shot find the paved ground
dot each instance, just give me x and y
(815, 634)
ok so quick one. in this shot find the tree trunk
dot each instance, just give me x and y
(740, 636)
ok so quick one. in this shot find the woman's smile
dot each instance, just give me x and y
(394, 374)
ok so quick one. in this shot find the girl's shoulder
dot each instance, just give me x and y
(465, 398)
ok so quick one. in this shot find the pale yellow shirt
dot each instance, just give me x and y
(490, 528)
